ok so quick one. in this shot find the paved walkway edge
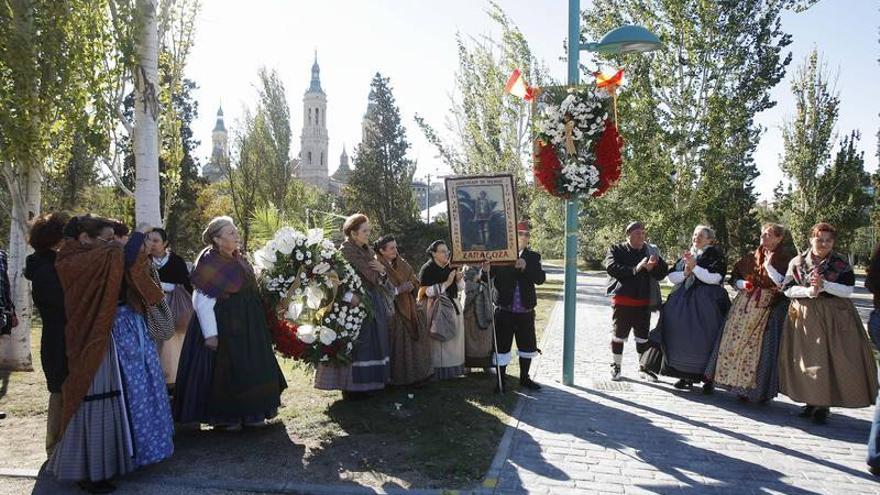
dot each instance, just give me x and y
(491, 479)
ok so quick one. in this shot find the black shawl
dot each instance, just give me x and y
(431, 274)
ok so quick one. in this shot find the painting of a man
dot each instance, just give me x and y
(481, 214)
(481, 222)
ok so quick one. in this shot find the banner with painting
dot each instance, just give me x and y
(482, 218)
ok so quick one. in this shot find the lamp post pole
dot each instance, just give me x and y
(572, 207)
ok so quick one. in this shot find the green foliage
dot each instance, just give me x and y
(260, 178)
(379, 185)
(821, 189)
(49, 52)
(845, 188)
(687, 116)
(184, 222)
(808, 138)
(487, 130)
(274, 126)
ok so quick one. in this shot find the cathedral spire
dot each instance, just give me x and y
(220, 126)
(315, 85)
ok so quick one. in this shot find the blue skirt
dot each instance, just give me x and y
(690, 327)
(144, 384)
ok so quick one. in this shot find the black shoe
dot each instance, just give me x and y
(708, 388)
(807, 411)
(875, 470)
(742, 398)
(820, 416)
(102, 486)
(2, 415)
(529, 384)
(683, 384)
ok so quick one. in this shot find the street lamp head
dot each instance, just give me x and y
(625, 39)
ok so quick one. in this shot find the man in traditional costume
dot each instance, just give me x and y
(634, 267)
(515, 301)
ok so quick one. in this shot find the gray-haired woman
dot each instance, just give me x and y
(228, 375)
(692, 318)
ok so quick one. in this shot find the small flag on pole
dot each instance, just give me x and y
(517, 86)
(610, 81)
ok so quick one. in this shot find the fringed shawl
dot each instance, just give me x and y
(399, 272)
(218, 275)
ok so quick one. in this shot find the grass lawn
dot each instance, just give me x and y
(443, 435)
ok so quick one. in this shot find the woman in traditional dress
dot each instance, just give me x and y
(440, 284)
(45, 237)
(174, 276)
(115, 413)
(410, 345)
(825, 359)
(370, 368)
(227, 375)
(478, 331)
(747, 354)
(693, 317)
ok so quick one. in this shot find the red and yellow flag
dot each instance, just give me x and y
(517, 86)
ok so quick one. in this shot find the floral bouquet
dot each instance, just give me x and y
(577, 149)
(303, 279)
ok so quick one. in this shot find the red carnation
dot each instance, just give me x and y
(608, 159)
(548, 169)
(286, 342)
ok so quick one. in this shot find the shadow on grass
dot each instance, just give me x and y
(435, 437)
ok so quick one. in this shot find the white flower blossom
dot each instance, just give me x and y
(326, 335)
(306, 334)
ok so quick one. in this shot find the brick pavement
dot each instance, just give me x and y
(634, 437)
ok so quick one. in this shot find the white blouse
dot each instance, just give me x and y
(203, 305)
(701, 273)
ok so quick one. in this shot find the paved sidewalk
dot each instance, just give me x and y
(635, 437)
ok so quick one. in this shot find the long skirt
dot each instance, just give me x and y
(240, 381)
(370, 368)
(825, 358)
(690, 325)
(180, 302)
(477, 341)
(410, 357)
(97, 443)
(761, 369)
(448, 356)
(144, 385)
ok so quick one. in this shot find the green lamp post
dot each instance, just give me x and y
(625, 39)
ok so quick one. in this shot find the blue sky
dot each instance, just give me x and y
(413, 43)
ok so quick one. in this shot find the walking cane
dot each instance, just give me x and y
(494, 330)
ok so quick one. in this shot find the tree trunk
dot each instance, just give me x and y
(146, 117)
(26, 193)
